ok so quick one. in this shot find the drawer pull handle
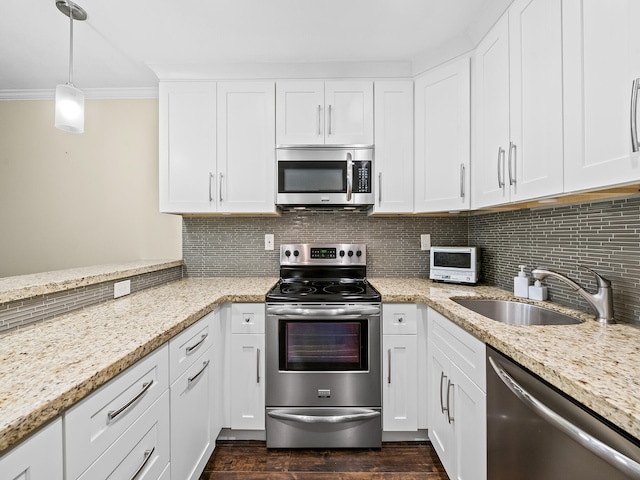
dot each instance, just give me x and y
(147, 456)
(112, 414)
(193, 347)
(190, 380)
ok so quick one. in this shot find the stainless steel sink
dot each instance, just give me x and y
(516, 313)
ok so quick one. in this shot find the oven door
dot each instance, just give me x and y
(323, 355)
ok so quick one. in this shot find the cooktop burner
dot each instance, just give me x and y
(323, 273)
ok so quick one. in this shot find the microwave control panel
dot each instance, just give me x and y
(362, 177)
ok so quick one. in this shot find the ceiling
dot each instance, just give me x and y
(124, 45)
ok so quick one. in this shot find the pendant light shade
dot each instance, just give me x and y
(69, 108)
(70, 99)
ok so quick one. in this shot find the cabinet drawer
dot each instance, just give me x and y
(142, 452)
(184, 349)
(247, 318)
(94, 423)
(464, 350)
(400, 319)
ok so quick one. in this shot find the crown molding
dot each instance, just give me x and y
(90, 93)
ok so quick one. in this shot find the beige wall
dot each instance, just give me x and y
(69, 200)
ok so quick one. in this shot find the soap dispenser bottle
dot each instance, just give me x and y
(537, 291)
(521, 284)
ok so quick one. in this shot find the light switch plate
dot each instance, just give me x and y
(425, 241)
(268, 241)
(120, 289)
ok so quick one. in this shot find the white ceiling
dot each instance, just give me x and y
(120, 41)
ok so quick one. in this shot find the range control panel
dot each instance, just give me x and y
(319, 254)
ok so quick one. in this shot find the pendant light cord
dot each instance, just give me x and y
(71, 45)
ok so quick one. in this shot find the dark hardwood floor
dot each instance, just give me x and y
(243, 460)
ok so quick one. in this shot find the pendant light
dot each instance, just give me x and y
(69, 99)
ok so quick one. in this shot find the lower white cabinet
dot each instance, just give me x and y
(95, 423)
(247, 367)
(457, 404)
(399, 367)
(37, 458)
(192, 404)
(142, 452)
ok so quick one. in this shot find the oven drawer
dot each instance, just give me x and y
(324, 427)
(247, 318)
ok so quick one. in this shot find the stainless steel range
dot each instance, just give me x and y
(323, 333)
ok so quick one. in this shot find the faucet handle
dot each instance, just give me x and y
(600, 280)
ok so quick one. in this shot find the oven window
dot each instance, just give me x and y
(310, 345)
(452, 260)
(312, 177)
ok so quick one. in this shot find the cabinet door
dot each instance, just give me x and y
(37, 458)
(191, 422)
(535, 158)
(247, 382)
(400, 383)
(440, 430)
(246, 154)
(469, 414)
(394, 146)
(601, 60)
(348, 113)
(443, 138)
(300, 113)
(491, 120)
(187, 150)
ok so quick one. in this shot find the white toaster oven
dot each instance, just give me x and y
(455, 264)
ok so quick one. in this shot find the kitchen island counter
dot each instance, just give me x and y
(47, 368)
(598, 365)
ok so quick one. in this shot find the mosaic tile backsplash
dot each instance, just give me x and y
(604, 236)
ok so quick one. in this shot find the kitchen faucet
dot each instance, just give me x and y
(601, 301)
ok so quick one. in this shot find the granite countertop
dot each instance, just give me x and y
(47, 368)
(598, 365)
(26, 286)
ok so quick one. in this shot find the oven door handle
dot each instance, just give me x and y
(350, 311)
(357, 415)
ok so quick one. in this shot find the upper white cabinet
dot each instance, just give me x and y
(393, 101)
(187, 146)
(518, 146)
(317, 112)
(246, 141)
(601, 60)
(211, 136)
(443, 138)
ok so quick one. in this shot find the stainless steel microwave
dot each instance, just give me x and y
(455, 264)
(324, 176)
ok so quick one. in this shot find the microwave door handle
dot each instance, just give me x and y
(349, 176)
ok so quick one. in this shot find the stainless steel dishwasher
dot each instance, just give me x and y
(534, 432)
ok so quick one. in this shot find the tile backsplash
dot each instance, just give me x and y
(604, 236)
(234, 246)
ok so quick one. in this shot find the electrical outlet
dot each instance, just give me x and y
(425, 241)
(120, 289)
(268, 241)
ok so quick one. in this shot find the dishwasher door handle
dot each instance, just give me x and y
(602, 450)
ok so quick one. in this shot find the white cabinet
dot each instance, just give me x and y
(192, 399)
(443, 138)
(187, 146)
(247, 366)
(37, 458)
(518, 146)
(217, 147)
(399, 367)
(246, 154)
(103, 418)
(601, 43)
(393, 102)
(457, 402)
(317, 112)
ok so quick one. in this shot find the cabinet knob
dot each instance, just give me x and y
(400, 319)
(248, 319)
